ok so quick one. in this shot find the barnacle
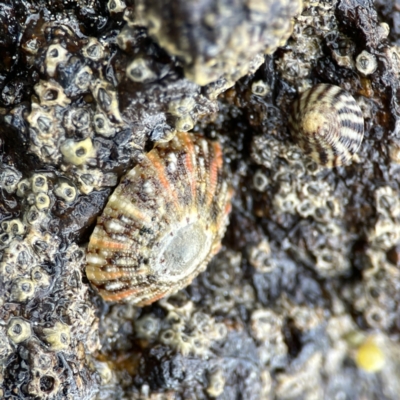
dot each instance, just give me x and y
(77, 153)
(19, 330)
(39, 183)
(66, 192)
(51, 94)
(93, 50)
(147, 327)
(22, 290)
(42, 201)
(216, 383)
(260, 257)
(40, 277)
(23, 187)
(14, 226)
(139, 71)
(44, 385)
(34, 216)
(162, 224)
(58, 336)
(328, 125)
(265, 324)
(366, 63)
(83, 78)
(260, 181)
(184, 124)
(181, 107)
(116, 6)
(56, 54)
(103, 126)
(260, 88)
(9, 179)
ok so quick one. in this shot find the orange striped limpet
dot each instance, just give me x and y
(163, 223)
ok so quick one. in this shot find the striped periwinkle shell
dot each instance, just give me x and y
(162, 224)
(327, 124)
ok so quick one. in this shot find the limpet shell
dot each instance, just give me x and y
(327, 124)
(162, 224)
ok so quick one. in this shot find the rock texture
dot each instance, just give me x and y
(303, 299)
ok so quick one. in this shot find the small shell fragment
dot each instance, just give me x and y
(327, 124)
(162, 224)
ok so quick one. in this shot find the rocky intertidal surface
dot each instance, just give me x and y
(302, 300)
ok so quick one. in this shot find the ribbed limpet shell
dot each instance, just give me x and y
(327, 124)
(163, 223)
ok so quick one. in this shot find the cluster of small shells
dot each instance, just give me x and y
(377, 297)
(64, 129)
(184, 329)
(28, 273)
(295, 187)
(225, 271)
(75, 119)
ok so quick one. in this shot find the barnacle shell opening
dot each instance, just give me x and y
(162, 224)
(327, 124)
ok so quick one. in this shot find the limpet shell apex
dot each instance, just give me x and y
(327, 124)
(162, 224)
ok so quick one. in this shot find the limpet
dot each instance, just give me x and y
(163, 223)
(327, 124)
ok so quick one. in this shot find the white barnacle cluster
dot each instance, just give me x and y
(294, 186)
(36, 193)
(303, 374)
(26, 243)
(266, 328)
(177, 110)
(73, 108)
(386, 231)
(185, 329)
(27, 274)
(31, 267)
(304, 48)
(225, 271)
(377, 295)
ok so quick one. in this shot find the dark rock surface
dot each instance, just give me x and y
(303, 300)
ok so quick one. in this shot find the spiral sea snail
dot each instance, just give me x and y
(327, 124)
(162, 224)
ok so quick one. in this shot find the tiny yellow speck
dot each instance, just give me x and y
(370, 356)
